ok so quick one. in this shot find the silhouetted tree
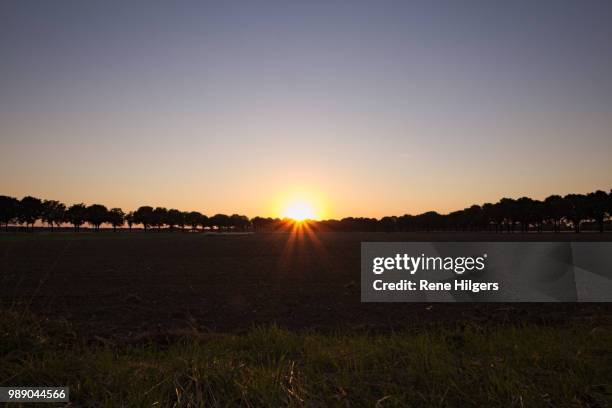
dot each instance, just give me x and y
(262, 224)
(221, 221)
(116, 217)
(240, 222)
(488, 215)
(405, 222)
(96, 215)
(204, 222)
(182, 220)
(597, 207)
(388, 224)
(507, 207)
(160, 217)
(474, 218)
(76, 215)
(173, 217)
(578, 209)
(30, 210)
(497, 216)
(555, 208)
(193, 219)
(538, 214)
(525, 212)
(129, 219)
(53, 213)
(573, 209)
(144, 216)
(9, 209)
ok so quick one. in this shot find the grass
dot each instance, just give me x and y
(469, 366)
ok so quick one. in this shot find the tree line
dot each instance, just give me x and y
(525, 214)
(508, 215)
(27, 211)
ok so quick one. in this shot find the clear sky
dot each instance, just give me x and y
(365, 108)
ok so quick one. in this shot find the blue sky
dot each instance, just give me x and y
(372, 108)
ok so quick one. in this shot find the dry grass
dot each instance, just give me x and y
(472, 366)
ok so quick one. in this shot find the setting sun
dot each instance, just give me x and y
(299, 211)
(299, 204)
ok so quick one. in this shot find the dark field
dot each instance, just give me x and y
(126, 285)
(268, 320)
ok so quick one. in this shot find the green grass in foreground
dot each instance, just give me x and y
(504, 366)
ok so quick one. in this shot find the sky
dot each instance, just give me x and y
(359, 108)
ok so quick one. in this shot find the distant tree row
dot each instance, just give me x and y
(29, 210)
(507, 215)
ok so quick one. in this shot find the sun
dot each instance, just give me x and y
(299, 211)
(300, 205)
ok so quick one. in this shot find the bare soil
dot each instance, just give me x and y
(126, 284)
